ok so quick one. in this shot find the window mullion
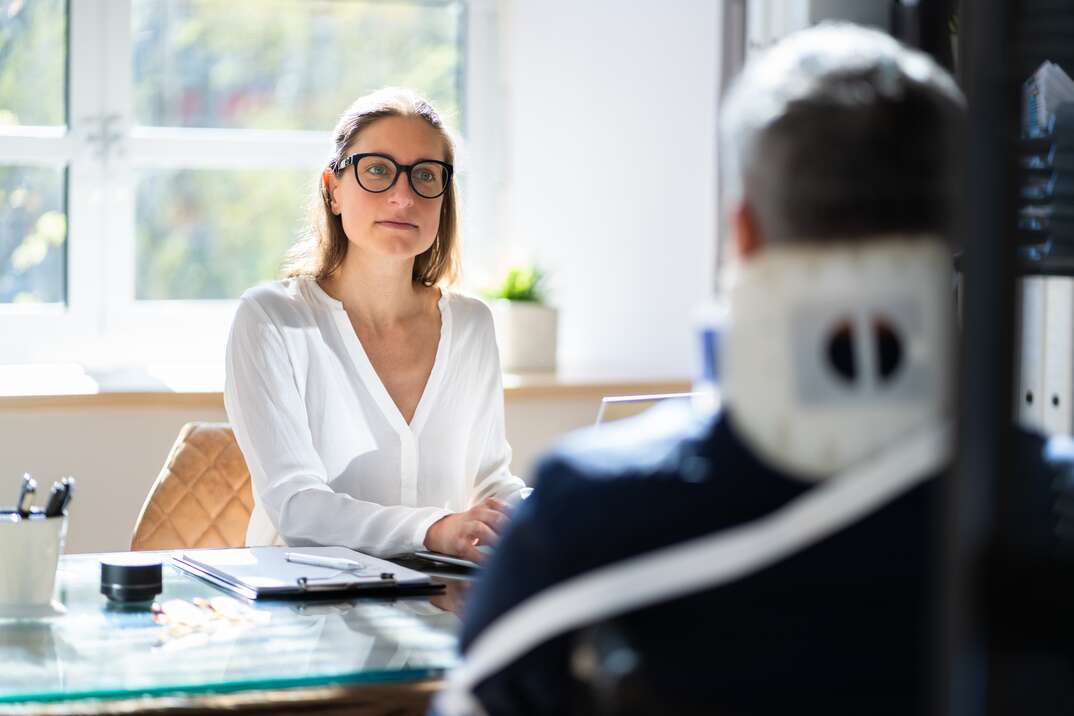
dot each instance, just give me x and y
(86, 176)
(118, 249)
(487, 159)
(228, 148)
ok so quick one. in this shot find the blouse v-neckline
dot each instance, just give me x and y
(370, 377)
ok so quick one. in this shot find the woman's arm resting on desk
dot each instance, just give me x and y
(460, 533)
(312, 517)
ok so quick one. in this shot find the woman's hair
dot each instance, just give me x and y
(323, 244)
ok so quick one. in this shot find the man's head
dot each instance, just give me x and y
(840, 151)
(840, 133)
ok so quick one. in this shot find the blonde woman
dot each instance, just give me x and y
(367, 399)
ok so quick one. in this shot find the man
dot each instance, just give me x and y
(839, 151)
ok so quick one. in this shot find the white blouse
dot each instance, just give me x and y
(331, 458)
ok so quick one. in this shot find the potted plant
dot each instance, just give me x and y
(525, 324)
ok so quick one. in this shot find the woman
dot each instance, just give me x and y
(367, 401)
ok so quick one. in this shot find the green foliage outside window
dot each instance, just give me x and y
(33, 225)
(213, 234)
(288, 64)
(33, 62)
(33, 235)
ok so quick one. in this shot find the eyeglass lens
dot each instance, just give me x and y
(376, 174)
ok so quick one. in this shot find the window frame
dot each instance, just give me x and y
(103, 149)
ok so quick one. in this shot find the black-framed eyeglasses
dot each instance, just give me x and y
(378, 173)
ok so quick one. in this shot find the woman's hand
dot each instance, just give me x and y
(460, 533)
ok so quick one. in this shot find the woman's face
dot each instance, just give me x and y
(397, 223)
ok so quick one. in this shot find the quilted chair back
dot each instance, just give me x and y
(202, 496)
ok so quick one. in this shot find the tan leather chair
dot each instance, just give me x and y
(202, 496)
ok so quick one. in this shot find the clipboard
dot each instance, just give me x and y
(441, 558)
(263, 572)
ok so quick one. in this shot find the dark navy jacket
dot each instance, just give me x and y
(842, 621)
(842, 626)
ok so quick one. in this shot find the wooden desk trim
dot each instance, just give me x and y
(113, 400)
(398, 698)
(515, 388)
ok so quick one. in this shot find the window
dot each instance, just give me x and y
(33, 189)
(157, 156)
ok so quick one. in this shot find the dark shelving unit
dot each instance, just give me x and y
(1007, 594)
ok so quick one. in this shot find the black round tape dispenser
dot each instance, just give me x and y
(130, 579)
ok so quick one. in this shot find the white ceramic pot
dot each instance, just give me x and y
(526, 334)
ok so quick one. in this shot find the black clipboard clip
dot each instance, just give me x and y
(305, 584)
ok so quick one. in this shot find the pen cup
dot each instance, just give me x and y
(30, 549)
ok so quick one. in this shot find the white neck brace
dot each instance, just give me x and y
(881, 309)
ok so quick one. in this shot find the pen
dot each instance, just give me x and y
(69, 484)
(26, 495)
(56, 495)
(346, 565)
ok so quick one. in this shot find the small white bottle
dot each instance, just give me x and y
(709, 321)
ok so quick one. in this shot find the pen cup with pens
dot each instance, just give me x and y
(31, 541)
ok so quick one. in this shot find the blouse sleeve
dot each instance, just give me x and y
(271, 425)
(494, 477)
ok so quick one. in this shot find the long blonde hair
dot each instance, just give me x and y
(323, 244)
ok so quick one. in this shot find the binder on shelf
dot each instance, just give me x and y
(1058, 363)
(1052, 187)
(1029, 390)
(1046, 158)
(1045, 222)
(1042, 94)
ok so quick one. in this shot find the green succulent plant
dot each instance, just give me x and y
(522, 283)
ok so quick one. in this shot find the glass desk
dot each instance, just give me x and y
(96, 651)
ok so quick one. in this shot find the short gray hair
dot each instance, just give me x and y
(841, 132)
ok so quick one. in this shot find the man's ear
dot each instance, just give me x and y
(744, 231)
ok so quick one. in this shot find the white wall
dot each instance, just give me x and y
(611, 124)
(116, 452)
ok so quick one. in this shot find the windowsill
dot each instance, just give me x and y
(71, 379)
(74, 385)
